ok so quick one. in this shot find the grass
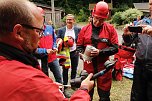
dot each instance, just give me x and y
(120, 90)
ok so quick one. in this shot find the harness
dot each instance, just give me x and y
(95, 40)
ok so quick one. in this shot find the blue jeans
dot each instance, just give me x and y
(55, 68)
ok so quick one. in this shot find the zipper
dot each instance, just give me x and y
(147, 47)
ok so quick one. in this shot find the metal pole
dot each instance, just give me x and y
(53, 12)
(111, 4)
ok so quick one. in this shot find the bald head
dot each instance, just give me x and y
(21, 24)
(14, 12)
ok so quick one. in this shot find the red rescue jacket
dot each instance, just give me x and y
(20, 82)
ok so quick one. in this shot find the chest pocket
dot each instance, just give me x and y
(101, 41)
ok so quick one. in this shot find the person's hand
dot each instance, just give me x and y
(126, 30)
(147, 29)
(87, 83)
(82, 57)
(55, 50)
(59, 84)
(49, 51)
(94, 53)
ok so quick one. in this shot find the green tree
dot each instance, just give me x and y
(130, 14)
(76, 7)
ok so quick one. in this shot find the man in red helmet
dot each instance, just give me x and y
(104, 38)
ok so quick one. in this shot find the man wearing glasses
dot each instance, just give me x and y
(21, 27)
(38, 30)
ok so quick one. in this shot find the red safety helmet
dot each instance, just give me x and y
(101, 10)
(41, 11)
(68, 41)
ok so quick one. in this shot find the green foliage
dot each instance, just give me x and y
(129, 15)
(121, 8)
(116, 19)
(82, 16)
(126, 16)
(63, 20)
(70, 6)
(80, 8)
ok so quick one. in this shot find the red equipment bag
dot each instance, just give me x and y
(123, 57)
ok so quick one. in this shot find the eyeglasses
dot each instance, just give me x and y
(39, 30)
(98, 19)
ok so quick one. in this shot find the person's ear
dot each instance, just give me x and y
(74, 20)
(17, 30)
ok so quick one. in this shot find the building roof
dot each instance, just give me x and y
(144, 7)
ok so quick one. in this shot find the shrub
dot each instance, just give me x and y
(120, 8)
(129, 15)
(126, 16)
(82, 16)
(116, 18)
